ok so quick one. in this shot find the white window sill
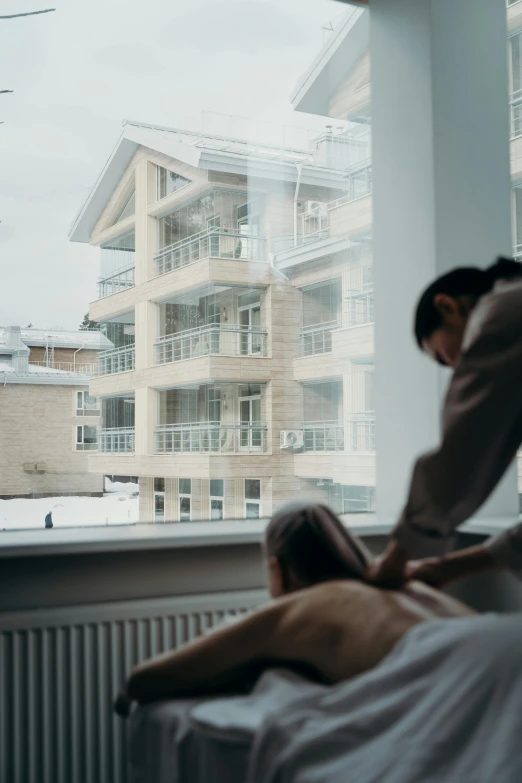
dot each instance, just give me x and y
(120, 538)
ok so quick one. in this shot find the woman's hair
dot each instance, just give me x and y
(464, 281)
(312, 542)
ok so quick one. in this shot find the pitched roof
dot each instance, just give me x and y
(348, 42)
(204, 151)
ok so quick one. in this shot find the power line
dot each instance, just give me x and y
(28, 13)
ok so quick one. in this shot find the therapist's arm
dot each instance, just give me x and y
(482, 430)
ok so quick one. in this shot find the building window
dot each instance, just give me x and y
(86, 404)
(216, 498)
(345, 499)
(185, 499)
(169, 182)
(252, 498)
(128, 209)
(85, 438)
(159, 500)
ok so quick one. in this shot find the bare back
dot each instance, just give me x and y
(348, 627)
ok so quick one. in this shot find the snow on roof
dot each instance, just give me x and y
(41, 375)
(61, 338)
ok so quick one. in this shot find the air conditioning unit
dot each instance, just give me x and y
(316, 208)
(291, 439)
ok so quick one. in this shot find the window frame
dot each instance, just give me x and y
(82, 443)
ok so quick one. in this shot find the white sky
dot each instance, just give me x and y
(78, 72)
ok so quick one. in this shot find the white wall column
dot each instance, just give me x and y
(441, 199)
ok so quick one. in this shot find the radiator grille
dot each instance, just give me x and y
(60, 670)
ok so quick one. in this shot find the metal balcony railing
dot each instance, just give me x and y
(210, 437)
(119, 281)
(358, 306)
(117, 360)
(358, 185)
(318, 338)
(323, 436)
(214, 243)
(84, 369)
(515, 113)
(210, 340)
(361, 433)
(86, 446)
(116, 440)
(517, 252)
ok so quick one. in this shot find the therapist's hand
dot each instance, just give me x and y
(389, 570)
(433, 571)
(440, 571)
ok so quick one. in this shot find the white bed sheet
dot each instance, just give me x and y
(445, 705)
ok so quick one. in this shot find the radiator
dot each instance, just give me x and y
(61, 668)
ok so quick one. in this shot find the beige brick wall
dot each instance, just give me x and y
(37, 425)
(64, 355)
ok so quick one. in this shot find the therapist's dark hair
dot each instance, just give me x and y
(464, 281)
(313, 543)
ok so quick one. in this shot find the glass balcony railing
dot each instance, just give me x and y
(318, 338)
(119, 281)
(117, 360)
(210, 437)
(323, 436)
(116, 440)
(215, 243)
(211, 340)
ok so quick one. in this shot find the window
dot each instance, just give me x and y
(252, 498)
(515, 62)
(159, 500)
(352, 499)
(86, 404)
(216, 499)
(185, 499)
(249, 309)
(86, 439)
(169, 182)
(128, 209)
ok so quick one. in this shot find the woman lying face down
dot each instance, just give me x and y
(324, 619)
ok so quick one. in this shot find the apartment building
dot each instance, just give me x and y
(338, 86)
(48, 419)
(238, 305)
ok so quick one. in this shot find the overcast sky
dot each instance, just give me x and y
(78, 72)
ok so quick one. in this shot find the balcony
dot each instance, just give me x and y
(211, 437)
(117, 360)
(211, 340)
(360, 433)
(358, 309)
(116, 440)
(515, 114)
(214, 243)
(323, 436)
(119, 281)
(359, 184)
(318, 339)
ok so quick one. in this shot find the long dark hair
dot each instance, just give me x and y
(313, 543)
(464, 281)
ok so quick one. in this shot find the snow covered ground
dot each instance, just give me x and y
(119, 506)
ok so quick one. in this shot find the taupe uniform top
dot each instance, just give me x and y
(482, 430)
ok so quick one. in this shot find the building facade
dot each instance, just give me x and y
(236, 286)
(239, 307)
(48, 419)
